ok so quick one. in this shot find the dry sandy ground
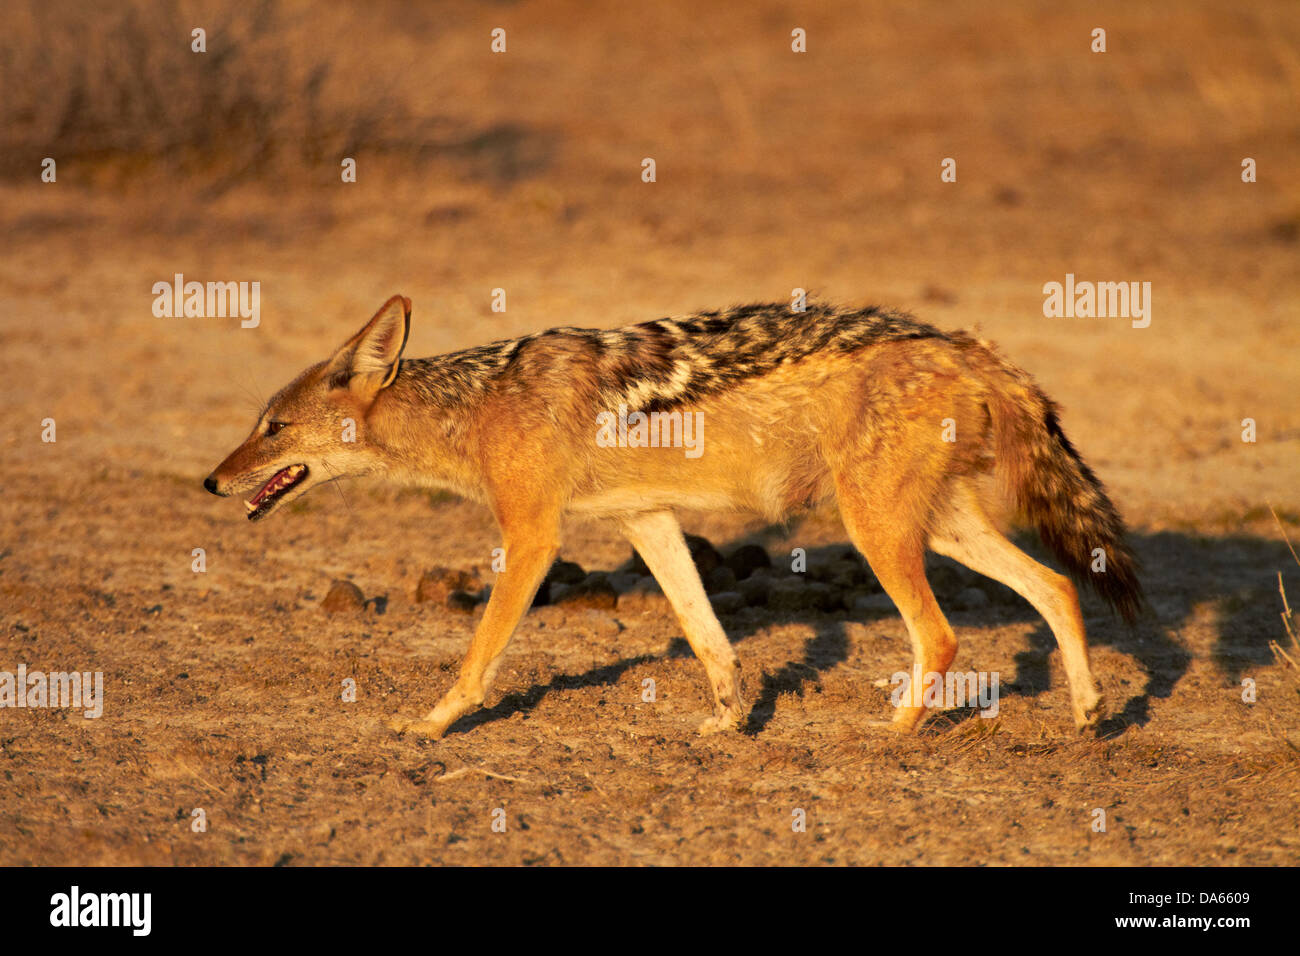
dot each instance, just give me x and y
(775, 171)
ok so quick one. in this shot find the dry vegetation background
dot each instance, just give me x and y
(522, 171)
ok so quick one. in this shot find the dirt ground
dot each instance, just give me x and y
(522, 171)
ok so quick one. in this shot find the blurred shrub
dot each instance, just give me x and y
(117, 85)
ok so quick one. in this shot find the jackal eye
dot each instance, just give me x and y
(274, 427)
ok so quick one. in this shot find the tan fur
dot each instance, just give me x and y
(797, 409)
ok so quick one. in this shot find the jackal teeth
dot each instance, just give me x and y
(279, 483)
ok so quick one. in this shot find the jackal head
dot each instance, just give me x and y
(314, 429)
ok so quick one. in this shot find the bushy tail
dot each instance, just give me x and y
(1058, 493)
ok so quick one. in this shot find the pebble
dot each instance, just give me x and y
(744, 578)
(593, 591)
(727, 602)
(463, 601)
(721, 578)
(874, 603)
(754, 589)
(747, 559)
(343, 597)
(623, 581)
(945, 581)
(566, 572)
(704, 554)
(795, 594)
(437, 584)
(971, 598)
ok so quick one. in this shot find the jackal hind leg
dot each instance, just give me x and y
(964, 533)
(657, 537)
(885, 521)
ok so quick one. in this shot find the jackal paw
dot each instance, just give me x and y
(419, 727)
(1087, 718)
(908, 720)
(727, 720)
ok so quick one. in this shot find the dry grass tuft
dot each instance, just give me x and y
(1290, 658)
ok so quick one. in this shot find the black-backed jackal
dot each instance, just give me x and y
(795, 408)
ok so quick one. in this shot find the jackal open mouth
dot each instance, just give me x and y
(274, 490)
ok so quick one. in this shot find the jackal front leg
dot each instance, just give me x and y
(529, 553)
(658, 538)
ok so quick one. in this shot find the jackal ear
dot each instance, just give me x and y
(369, 360)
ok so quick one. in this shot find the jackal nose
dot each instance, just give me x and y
(210, 483)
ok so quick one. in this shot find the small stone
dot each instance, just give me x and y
(727, 602)
(437, 584)
(818, 571)
(343, 596)
(795, 594)
(874, 603)
(559, 578)
(754, 589)
(566, 572)
(848, 574)
(869, 583)
(945, 580)
(644, 602)
(971, 598)
(463, 601)
(636, 564)
(720, 579)
(997, 592)
(839, 572)
(823, 597)
(623, 581)
(704, 554)
(593, 591)
(645, 595)
(786, 594)
(747, 559)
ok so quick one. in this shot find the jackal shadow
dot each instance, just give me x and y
(1228, 583)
